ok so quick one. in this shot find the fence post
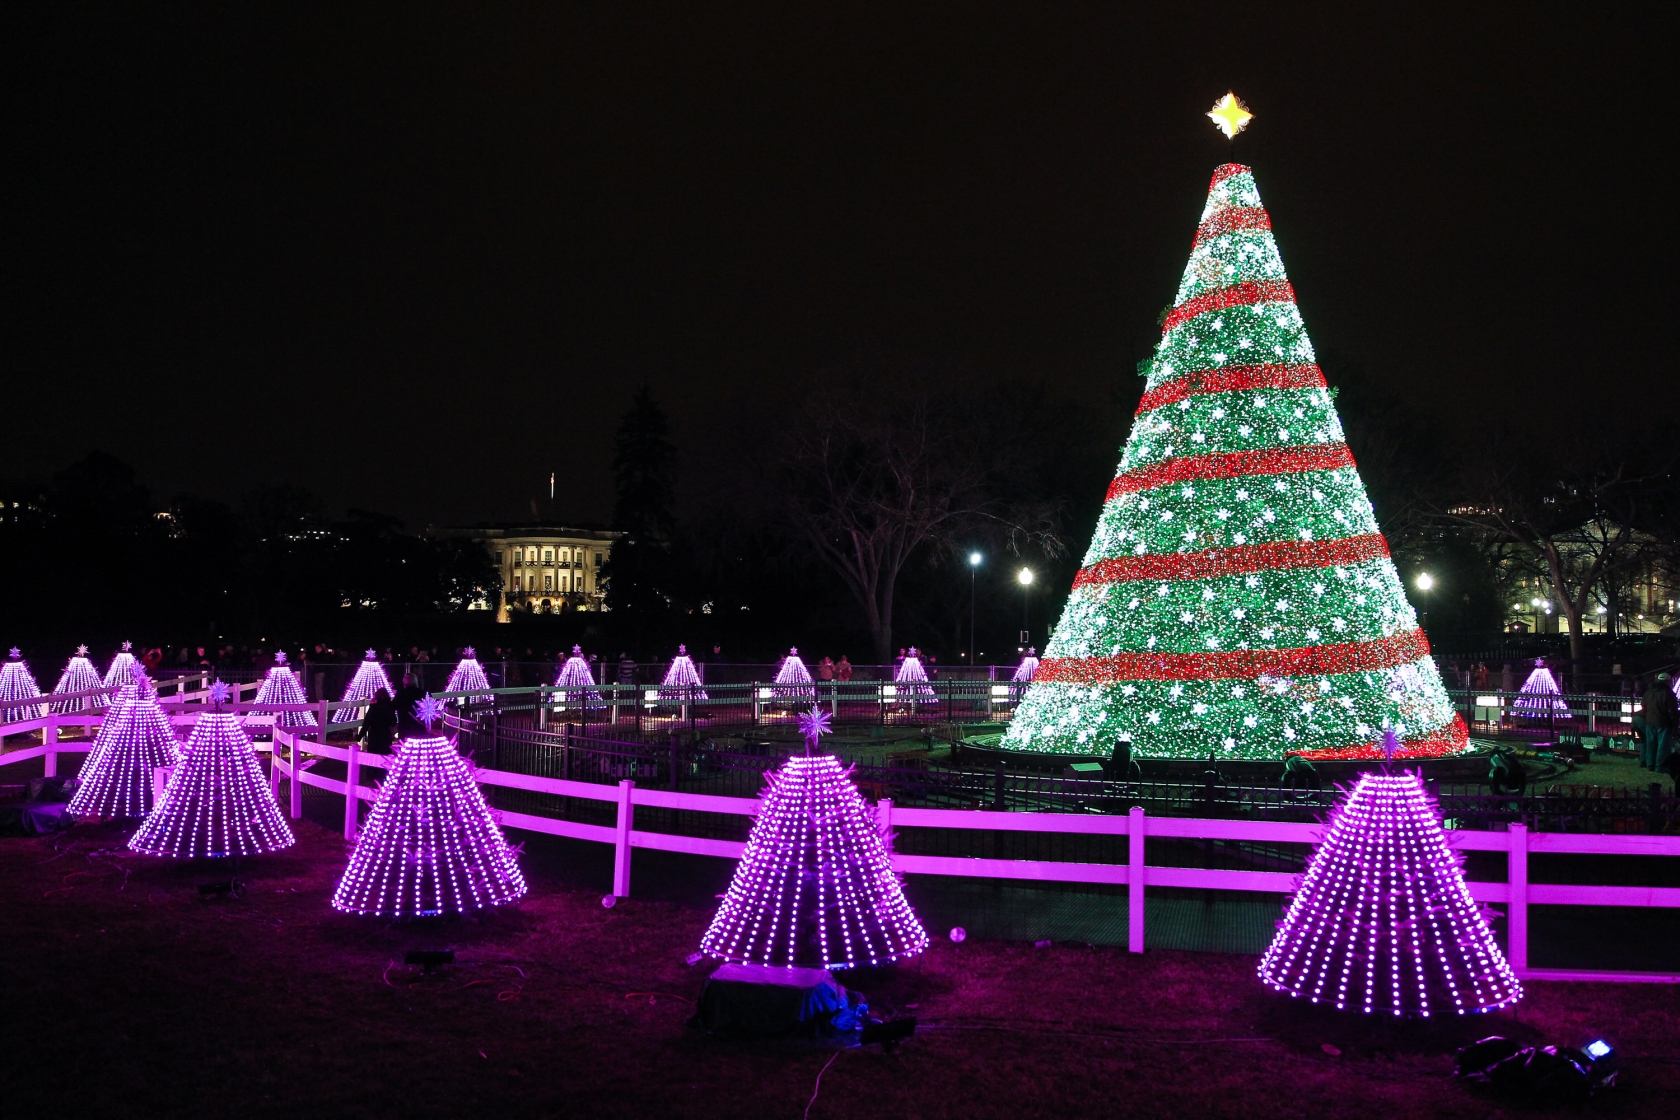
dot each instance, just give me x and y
(1134, 882)
(621, 843)
(352, 801)
(297, 776)
(49, 739)
(834, 699)
(1516, 920)
(274, 763)
(542, 709)
(883, 823)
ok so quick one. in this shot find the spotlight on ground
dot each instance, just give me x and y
(889, 1034)
(429, 960)
(222, 888)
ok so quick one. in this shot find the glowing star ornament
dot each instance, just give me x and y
(121, 670)
(369, 679)
(135, 739)
(1229, 115)
(815, 887)
(682, 680)
(468, 676)
(79, 676)
(793, 679)
(1383, 922)
(217, 802)
(577, 683)
(430, 846)
(1238, 598)
(911, 680)
(1539, 693)
(281, 686)
(17, 684)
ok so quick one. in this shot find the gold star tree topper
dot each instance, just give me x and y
(1230, 115)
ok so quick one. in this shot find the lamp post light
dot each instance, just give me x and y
(1025, 578)
(1425, 581)
(974, 559)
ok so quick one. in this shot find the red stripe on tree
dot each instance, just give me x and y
(1237, 295)
(1237, 664)
(1451, 739)
(1236, 560)
(1233, 464)
(1224, 171)
(1232, 218)
(1231, 379)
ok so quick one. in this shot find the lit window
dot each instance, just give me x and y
(548, 583)
(548, 555)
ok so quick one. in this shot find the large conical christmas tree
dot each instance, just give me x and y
(365, 685)
(1383, 921)
(122, 667)
(17, 684)
(815, 887)
(218, 802)
(1238, 599)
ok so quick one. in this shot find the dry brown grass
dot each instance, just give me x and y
(129, 995)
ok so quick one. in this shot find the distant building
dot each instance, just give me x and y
(546, 568)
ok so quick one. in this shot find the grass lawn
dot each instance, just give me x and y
(130, 995)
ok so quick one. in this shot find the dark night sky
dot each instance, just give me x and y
(414, 262)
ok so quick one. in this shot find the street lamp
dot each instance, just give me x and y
(1025, 578)
(973, 567)
(1425, 581)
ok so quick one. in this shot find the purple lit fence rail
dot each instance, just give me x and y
(620, 802)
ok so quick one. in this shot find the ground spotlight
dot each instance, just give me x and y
(429, 960)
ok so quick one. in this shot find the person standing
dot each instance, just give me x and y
(843, 671)
(379, 726)
(410, 694)
(825, 669)
(1662, 716)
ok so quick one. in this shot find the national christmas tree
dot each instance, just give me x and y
(910, 680)
(1238, 599)
(217, 802)
(577, 683)
(793, 679)
(281, 686)
(134, 740)
(815, 887)
(79, 676)
(682, 680)
(369, 679)
(468, 676)
(121, 671)
(1382, 921)
(17, 684)
(430, 845)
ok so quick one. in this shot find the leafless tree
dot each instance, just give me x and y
(1571, 512)
(866, 483)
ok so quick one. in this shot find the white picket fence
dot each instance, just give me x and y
(1516, 894)
(295, 751)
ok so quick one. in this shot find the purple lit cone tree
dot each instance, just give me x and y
(910, 681)
(17, 684)
(430, 845)
(217, 802)
(1383, 922)
(468, 676)
(369, 679)
(122, 667)
(682, 680)
(1539, 693)
(135, 739)
(793, 679)
(815, 887)
(79, 676)
(577, 684)
(281, 686)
